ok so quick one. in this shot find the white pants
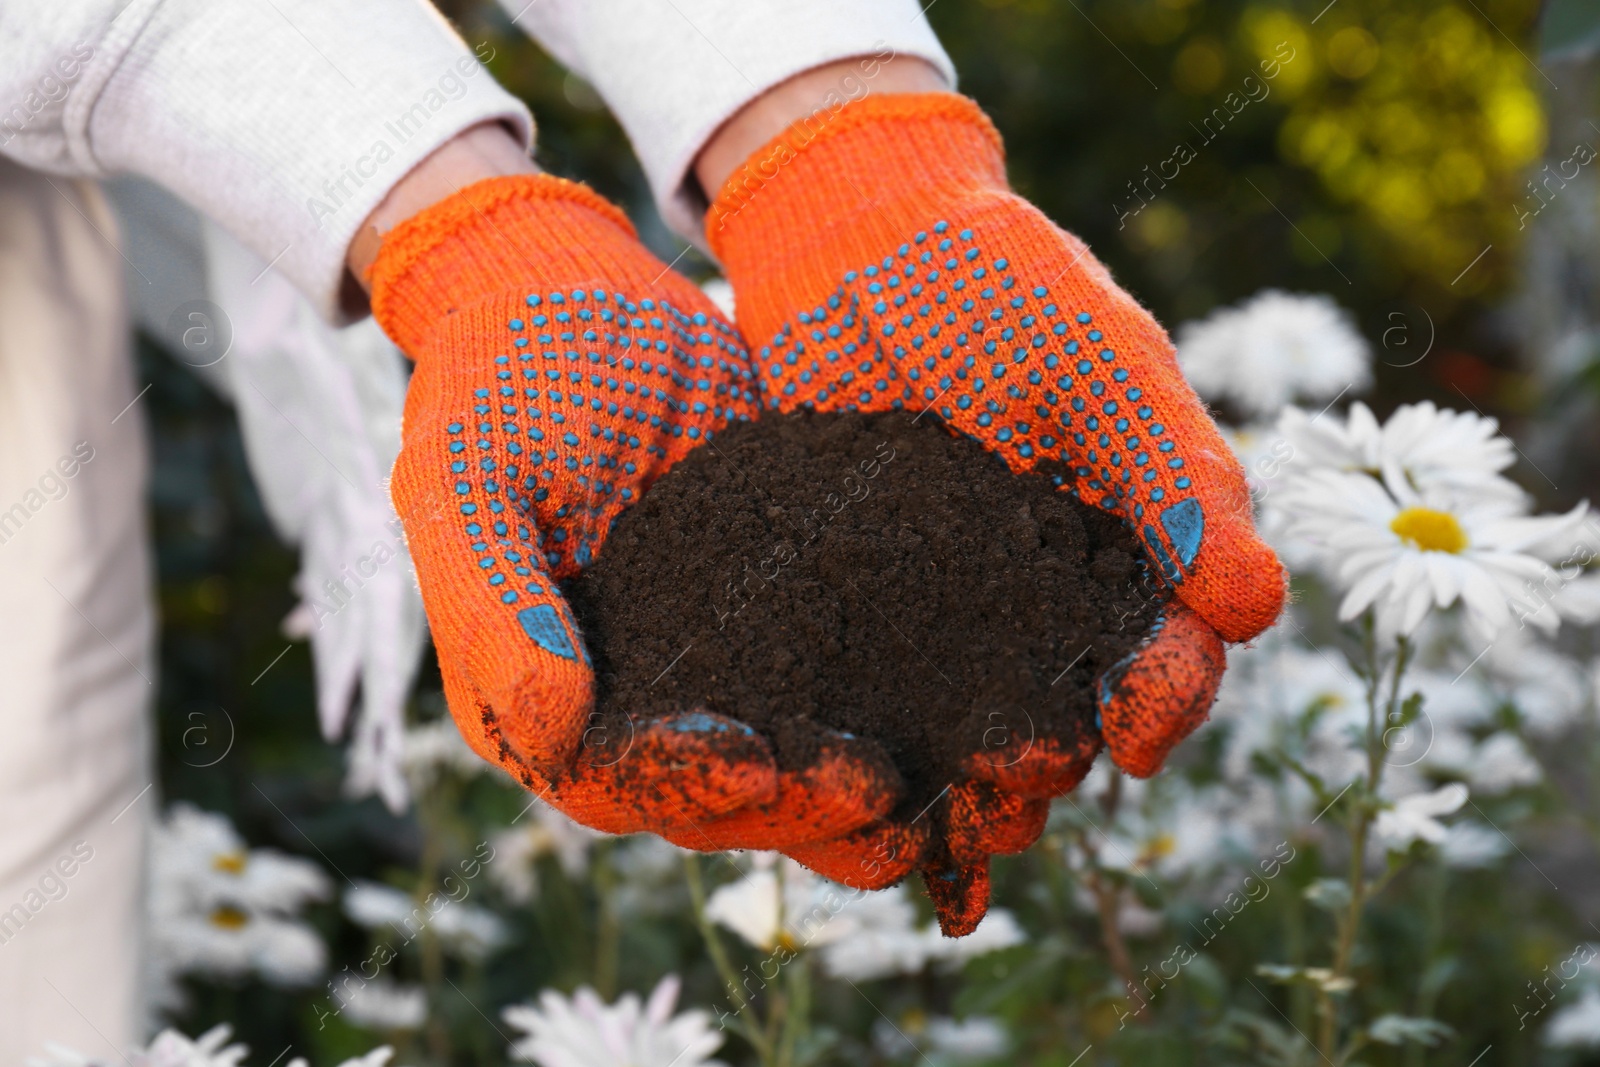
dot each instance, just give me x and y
(76, 628)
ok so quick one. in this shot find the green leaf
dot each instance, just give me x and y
(1438, 975)
(1310, 777)
(1399, 1029)
(814, 1047)
(1274, 1043)
(1570, 29)
(1410, 708)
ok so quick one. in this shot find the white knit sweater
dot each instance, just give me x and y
(286, 121)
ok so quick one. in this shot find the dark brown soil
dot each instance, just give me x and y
(867, 574)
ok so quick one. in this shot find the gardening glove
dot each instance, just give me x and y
(560, 369)
(881, 262)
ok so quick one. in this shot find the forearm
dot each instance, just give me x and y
(287, 123)
(674, 74)
(484, 151)
(769, 114)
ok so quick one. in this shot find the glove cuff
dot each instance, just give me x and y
(835, 189)
(524, 232)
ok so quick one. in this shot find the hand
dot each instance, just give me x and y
(880, 262)
(560, 369)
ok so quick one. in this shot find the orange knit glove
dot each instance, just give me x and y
(560, 369)
(881, 261)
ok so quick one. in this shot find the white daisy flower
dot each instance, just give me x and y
(372, 905)
(378, 1057)
(231, 942)
(1274, 347)
(434, 748)
(876, 936)
(939, 1040)
(1500, 764)
(467, 930)
(997, 930)
(1270, 686)
(1577, 1025)
(1458, 451)
(753, 907)
(882, 938)
(584, 1031)
(546, 832)
(1550, 691)
(1416, 818)
(1176, 833)
(384, 1005)
(780, 903)
(210, 1049)
(1421, 447)
(203, 854)
(1470, 845)
(1578, 599)
(218, 908)
(1325, 440)
(1402, 555)
(651, 871)
(977, 1037)
(173, 1049)
(471, 932)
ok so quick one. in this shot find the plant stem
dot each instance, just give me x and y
(1108, 899)
(719, 959)
(798, 995)
(608, 936)
(430, 816)
(1108, 902)
(1349, 924)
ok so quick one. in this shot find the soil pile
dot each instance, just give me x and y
(865, 573)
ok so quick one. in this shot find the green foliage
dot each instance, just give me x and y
(1378, 162)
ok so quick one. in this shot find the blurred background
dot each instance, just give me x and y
(1398, 162)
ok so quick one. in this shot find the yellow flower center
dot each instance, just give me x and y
(229, 918)
(1158, 847)
(1430, 530)
(229, 862)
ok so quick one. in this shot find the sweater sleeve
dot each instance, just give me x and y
(284, 121)
(673, 71)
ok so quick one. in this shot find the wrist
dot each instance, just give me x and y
(839, 196)
(474, 155)
(515, 234)
(812, 94)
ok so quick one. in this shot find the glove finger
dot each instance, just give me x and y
(467, 708)
(693, 766)
(676, 769)
(846, 785)
(982, 820)
(1197, 520)
(493, 609)
(1049, 765)
(1184, 492)
(960, 896)
(874, 857)
(1162, 691)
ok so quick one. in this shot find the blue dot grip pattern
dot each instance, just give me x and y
(936, 327)
(596, 385)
